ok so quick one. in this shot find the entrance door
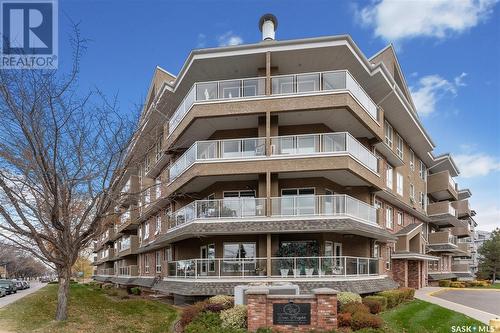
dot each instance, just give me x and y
(203, 262)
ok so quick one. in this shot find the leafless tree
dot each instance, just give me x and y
(61, 153)
(19, 263)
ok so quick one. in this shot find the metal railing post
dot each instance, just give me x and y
(345, 266)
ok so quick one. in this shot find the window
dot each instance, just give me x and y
(422, 200)
(158, 261)
(376, 250)
(157, 188)
(399, 183)
(378, 204)
(388, 258)
(168, 254)
(400, 218)
(140, 232)
(388, 134)
(422, 170)
(399, 146)
(389, 218)
(147, 163)
(298, 191)
(146, 230)
(389, 176)
(235, 252)
(158, 150)
(158, 224)
(146, 263)
(302, 204)
(211, 257)
(147, 197)
(328, 249)
(235, 194)
(412, 160)
(412, 192)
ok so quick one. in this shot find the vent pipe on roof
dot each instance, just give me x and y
(268, 24)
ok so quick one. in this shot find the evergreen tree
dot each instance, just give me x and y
(489, 262)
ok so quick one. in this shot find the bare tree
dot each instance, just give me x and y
(61, 153)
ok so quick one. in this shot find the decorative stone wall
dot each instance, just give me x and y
(414, 274)
(323, 303)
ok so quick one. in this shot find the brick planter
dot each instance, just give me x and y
(323, 303)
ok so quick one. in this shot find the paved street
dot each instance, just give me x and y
(488, 301)
(480, 304)
(20, 294)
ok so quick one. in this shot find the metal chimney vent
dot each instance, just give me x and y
(268, 24)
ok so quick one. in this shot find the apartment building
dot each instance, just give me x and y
(298, 161)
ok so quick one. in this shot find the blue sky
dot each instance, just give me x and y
(448, 50)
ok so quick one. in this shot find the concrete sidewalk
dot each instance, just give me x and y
(426, 294)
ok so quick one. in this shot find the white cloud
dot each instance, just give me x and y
(476, 165)
(229, 38)
(431, 88)
(201, 40)
(398, 20)
(488, 215)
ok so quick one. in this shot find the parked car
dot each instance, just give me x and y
(19, 284)
(26, 284)
(9, 286)
(3, 292)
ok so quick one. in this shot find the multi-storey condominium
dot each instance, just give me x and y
(297, 161)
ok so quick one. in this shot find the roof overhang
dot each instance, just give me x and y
(414, 256)
(442, 163)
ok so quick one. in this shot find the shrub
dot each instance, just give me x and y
(264, 330)
(204, 322)
(226, 300)
(380, 299)
(444, 283)
(135, 290)
(107, 286)
(409, 293)
(215, 307)
(370, 330)
(347, 297)
(352, 308)
(361, 320)
(124, 296)
(394, 297)
(235, 317)
(344, 319)
(190, 312)
(374, 306)
(457, 284)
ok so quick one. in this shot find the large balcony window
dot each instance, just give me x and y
(281, 85)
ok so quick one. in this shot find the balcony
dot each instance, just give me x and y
(295, 146)
(441, 186)
(441, 209)
(465, 248)
(126, 219)
(105, 255)
(132, 270)
(442, 241)
(286, 207)
(460, 267)
(106, 271)
(281, 267)
(283, 85)
(130, 191)
(463, 208)
(127, 246)
(461, 231)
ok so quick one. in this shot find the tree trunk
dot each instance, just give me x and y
(63, 293)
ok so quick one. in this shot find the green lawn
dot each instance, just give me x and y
(90, 310)
(421, 317)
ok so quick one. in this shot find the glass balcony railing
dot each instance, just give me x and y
(218, 149)
(219, 208)
(307, 144)
(281, 85)
(285, 206)
(324, 143)
(323, 205)
(281, 267)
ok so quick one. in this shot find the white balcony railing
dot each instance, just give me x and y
(281, 267)
(452, 182)
(231, 208)
(286, 206)
(306, 144)
(217, 149)
(323, 205)
(306, 83)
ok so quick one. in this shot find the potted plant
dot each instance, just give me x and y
(284, 264)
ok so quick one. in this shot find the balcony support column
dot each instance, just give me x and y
(268, 73)
(268, 255)
(268, 193)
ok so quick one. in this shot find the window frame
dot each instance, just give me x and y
(399, 146)
(389, 218)
(389, 179)
(399, 183)
(388, 134)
